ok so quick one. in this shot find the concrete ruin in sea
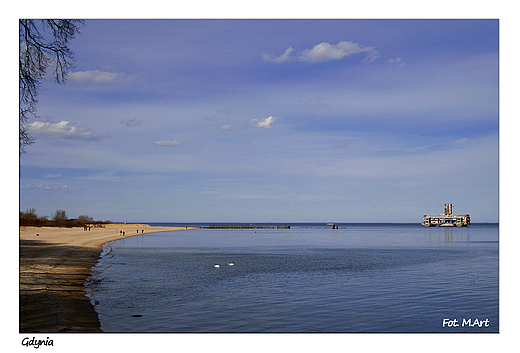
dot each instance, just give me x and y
(448, 219)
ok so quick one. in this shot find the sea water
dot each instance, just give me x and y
(309, 278)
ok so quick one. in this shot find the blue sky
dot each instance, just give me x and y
(270, 121)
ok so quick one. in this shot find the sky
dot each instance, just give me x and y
(270, 121)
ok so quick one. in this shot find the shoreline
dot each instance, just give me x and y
(54, 264)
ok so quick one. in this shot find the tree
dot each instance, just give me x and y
(85, 218)
(29, 216)
(43, 43)
(59, 216)
(31, 212)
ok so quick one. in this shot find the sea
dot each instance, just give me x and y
(311, 278)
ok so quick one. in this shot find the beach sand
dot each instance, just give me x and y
(54, 264)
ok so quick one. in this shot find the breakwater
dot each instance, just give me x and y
(247, 226)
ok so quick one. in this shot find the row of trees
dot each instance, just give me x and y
(58, 219)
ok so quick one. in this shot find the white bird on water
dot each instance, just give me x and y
(217, 266)
(231, 264)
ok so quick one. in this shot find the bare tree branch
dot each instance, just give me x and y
(43, 43)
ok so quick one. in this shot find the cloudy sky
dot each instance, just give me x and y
(270, 121)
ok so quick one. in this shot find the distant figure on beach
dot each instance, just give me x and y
(142, 231)
(123, 233)
(120, 232)
(138, 231)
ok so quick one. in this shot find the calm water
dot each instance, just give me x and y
(365, 278)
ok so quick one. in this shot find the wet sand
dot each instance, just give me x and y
(54, 264)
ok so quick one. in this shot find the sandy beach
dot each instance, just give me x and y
(54, 264)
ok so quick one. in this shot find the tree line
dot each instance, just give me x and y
(58, 219)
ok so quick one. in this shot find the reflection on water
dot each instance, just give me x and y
(447, 235)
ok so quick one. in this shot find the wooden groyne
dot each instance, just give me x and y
(247, 226)
(447, 219)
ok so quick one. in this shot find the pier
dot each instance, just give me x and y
(448, 219)
(247, 226)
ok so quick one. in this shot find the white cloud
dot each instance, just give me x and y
(168, 143)
(63, 129)
(397, 61)
(463, 140)
(227, 127)
(264, 123)
(46, 186)
(95, 77)
(280, 59)
(326, 52)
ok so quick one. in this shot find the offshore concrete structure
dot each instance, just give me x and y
(448, 219)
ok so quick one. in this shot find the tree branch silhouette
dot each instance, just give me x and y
(43, 44)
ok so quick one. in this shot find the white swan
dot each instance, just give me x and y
(217, 266)
(231, 264)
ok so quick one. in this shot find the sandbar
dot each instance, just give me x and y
(54, 264)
